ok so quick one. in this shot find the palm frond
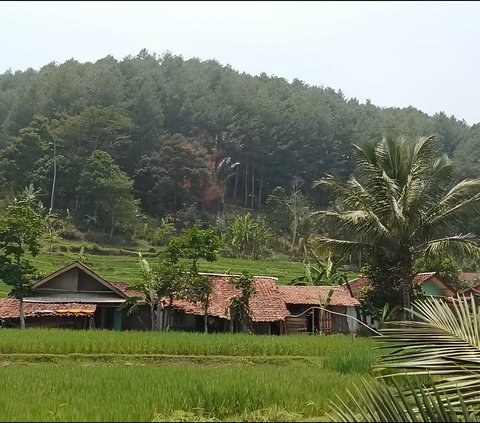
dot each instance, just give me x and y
(376, 402)
(340, 248)
(444, 343)
(459, 246)
(460, 204)
(363, 223)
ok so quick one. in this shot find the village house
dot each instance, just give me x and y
(267, 307)
(304, 317)
(431, 283)
(75, 297)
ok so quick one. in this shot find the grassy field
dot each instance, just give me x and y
(104, 376)
(122, 265)
(125, 268)
(109, 392)
(38, 341)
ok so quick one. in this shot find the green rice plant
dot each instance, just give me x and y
(336, 349)
(107, 392)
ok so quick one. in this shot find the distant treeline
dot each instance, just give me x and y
(178, 132)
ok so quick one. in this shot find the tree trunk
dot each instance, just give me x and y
(170, 312)
(152, 317)
(406, 273)
(295, 220)
(205, 316)
(52, 196)
(22, 314)
(294, 231)
(406, 299)
(246, 182)
(111, 229)
(260, 189)
(236, 183)
(253, 186)
(205, 321)
(159, 317)
(175, 208)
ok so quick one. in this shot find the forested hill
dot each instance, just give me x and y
(189, 131)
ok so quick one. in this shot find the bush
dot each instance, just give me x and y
(70, 232)
(164, 233)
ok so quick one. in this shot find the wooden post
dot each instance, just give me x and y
(103, 317)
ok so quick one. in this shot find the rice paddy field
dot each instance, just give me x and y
(118, 267)
(124, 268)
(62, 375)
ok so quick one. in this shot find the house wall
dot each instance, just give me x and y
(51, 322)
(433, 288)
(64, 281)
(138, 319)
(352, 324)
(261, 328)
(87, 283)
(295, 325)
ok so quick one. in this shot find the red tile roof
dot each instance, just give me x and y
(419, 279)
(126, 290)
(357, 284)
(469, 276)
(9, 309)
(266, 305)
(311, 295)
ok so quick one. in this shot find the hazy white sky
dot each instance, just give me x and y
(424, 54)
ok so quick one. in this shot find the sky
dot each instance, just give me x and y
(421, 54)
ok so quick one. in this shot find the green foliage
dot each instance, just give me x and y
(198, 289)
(443, 346)
(445, 266)
(248, 236)
(195, 244)
(107, 192)
(400, 206)
(321, 273)
(164, 233)
(277, 212)
(172, 177)
(165, 279)
(20, 230)
(22, 160)
(239, 305)
(234, 137)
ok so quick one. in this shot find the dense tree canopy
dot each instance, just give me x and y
(172, 125)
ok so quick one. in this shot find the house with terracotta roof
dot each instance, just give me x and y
(267, 307)
(305, 317)
(75, 297)
(470, 278)
(431, 283)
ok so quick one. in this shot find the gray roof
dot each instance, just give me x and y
(77, 297)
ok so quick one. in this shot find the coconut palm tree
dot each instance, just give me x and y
(442, 347)
(399, 206)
